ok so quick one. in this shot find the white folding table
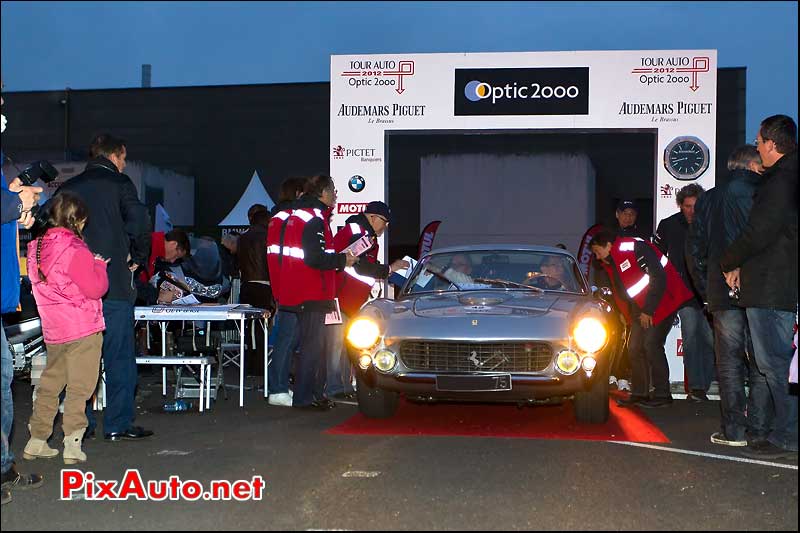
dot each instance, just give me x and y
(206, 313)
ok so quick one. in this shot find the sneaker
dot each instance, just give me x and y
(720, 438)
(6, 496)
(654, 403)
(623, 384)
(631, 400)
(283, 399)
(612, 380)
(767, 450)
(697, 396)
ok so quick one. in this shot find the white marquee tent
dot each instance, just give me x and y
(254, 194)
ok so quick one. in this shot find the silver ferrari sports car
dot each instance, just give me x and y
(488, 323)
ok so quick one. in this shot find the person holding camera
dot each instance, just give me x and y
(16, 204)
(762, 263)
(118, 226)
(720, 216)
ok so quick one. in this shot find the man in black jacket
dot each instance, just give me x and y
(720, 216)
(256, 290)
(698, 343)
(118, 228)
(372, 223)
(762, 264)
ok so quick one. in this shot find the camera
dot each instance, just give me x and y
(734, 293)
(39, 170)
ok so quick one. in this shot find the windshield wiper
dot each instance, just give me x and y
(509, 283)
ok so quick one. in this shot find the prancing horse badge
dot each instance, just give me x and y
(474, 322)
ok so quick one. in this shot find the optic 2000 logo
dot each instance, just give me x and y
(668, 70)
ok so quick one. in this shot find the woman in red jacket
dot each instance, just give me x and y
(68, 284)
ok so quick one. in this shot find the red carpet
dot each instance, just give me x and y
(484, 420)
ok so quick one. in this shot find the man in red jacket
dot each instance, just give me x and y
(353, 286)
(308, 277)
(648, 291)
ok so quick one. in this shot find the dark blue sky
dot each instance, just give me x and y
(51, 45)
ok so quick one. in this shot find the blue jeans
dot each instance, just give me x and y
(743, 417)
(772, 331)
(339, 367)
(287, 335)
(8, 403)
(698, 348)
(119, 364)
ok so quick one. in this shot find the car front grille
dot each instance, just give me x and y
(427, 356)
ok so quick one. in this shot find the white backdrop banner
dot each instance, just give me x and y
(670, 92)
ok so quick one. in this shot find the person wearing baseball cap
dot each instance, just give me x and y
(354, 284)
(627, 213)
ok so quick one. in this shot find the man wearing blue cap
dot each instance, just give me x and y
(353, 285)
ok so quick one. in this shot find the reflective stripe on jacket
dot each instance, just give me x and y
(300, 282)
(352, 288)
(636, 281)
(274, 242)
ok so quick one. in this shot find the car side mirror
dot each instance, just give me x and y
(603, 293)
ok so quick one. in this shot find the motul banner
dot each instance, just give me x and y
(584, 252)
(426, 238)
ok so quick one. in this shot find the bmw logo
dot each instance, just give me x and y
(357, 183)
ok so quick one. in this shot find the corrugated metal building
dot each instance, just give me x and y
(222, 134)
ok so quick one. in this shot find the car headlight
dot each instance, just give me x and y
(590, 335)
(385, 360)
(364, 360)
(567, 362)
(363, 333)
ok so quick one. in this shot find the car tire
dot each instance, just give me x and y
(374, 402)
(591, 406)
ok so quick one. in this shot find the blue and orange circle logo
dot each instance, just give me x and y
(477, 90)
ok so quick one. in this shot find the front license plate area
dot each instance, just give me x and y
(483, 383)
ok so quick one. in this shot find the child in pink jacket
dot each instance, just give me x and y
(68, 284)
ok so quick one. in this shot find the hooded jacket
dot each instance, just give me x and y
(720, 215)
(766, 250)
(69, 300)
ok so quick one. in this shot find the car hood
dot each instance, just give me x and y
(483, 314)
(515, 303)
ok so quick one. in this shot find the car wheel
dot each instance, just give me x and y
(591, 406)
(374, 402)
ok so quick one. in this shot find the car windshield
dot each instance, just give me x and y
(492, 269)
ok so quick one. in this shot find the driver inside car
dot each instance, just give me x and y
(553, 276)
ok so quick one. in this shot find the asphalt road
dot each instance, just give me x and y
(320, 481)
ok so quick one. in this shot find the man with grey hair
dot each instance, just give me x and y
(698, 343)
(762, 264)
(720, 217)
